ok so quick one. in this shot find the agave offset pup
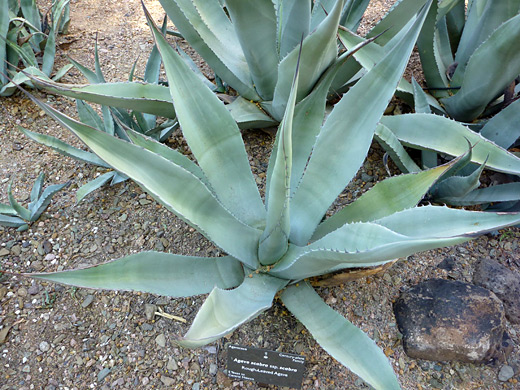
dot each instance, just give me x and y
(30, 37)
(273, 246)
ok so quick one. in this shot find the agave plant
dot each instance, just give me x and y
(26, 35)
(15, 215)
(274, 246)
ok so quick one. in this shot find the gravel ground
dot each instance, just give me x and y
(66, 338)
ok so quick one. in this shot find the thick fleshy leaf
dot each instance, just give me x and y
(347, 135)
(294, 24)
(7, 209)
(10, 221)
(248, 115)
(389, 197)
(508, 192)
(342, 340)
(503, 128)
(218, 147)
(170, 184)
(168, 153)
(254, 22)
(150, 98)
(393, 147)
(38, 207)
(93, 185)
(4, 29)
(20, 210)
(64, 148)
(224, 58)
(37, 188)
(447, 136)
(484, 18)
(433, 221)
(480, 86)
(457, 186)
(156, 273)
(225, 310)
(428, 158)
(88, 115)
(319, 50)
(49, 53)
(275, 238)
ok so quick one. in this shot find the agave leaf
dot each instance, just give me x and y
(32, 15)
(275, 238)
(224, 311)
(398, 15)
(49, 53)
(149, 98)
(11, 221)
(428, 158)
(88, 115)
(90, 75)
(4, 29)
(484, 18)
(319, 50)
(255, 25)
(37, 188)
(44, 200)
(218, 148)
(395, 149)
(373, 53)
(503, 128)
(226, 63)
(435, 78)
(457, 186)
(353, 12)
(169, 154)
(20, 210)
(294, 24)
(435, 221)
(508, 192)
(342, 340)
(187, 59)
(347, 135)
(64, 148)
(7, 209)
(447, 136)
(93, 185)
(481, 84)
(248, 115)
(388, 195)
(156, 273)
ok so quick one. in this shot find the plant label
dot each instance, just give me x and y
(264, 366)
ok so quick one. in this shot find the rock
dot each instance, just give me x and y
(4, 252)
(149, 311)
(448, 264)
(196, 386)
(26, 368)
(504, 282)
(172, 364)
(103, 374)
(16, 250)
(506, 373)
(3, 292)
(161, 340)
(44, 346)
(47, 247)
(167, 380)
(22, 292)
(87, 301)
(445, 320)
(34, 289)
(49, 257)
(213, 369)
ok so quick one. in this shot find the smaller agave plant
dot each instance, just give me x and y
(25, 35)
(272, 246)
(15, 215)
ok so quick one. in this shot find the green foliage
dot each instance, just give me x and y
(28, 36)
(15, 215)
(273, 246)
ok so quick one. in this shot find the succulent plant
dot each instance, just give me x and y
(274, 246)
(15, 215)
(26, 35)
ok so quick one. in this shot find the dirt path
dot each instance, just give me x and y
(64, 338)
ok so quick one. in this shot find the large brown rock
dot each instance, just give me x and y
(505, 283)
(446, 320)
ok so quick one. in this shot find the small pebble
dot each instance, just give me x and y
(149, 311)
(506, 373)
(167, 380)
(172, 364)
(44, 346)
(161, 340)
(87, 301)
